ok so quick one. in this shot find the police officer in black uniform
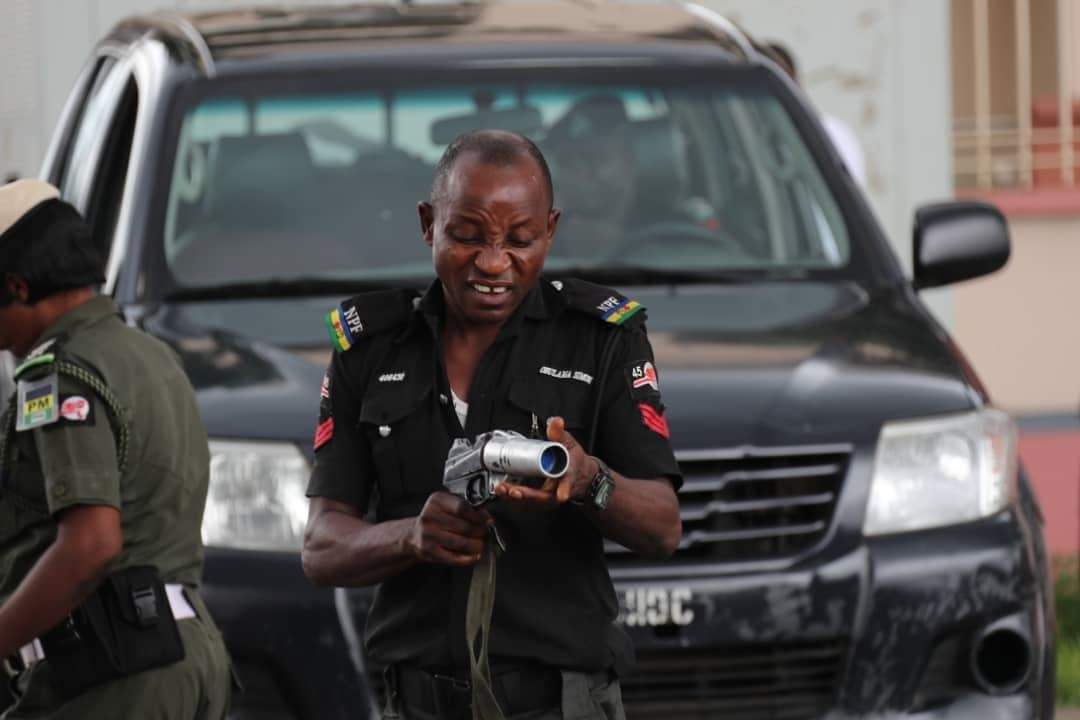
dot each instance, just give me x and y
(491, 345)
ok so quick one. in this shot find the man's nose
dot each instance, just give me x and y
(493, 260)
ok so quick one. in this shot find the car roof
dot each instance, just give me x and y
(217, 41)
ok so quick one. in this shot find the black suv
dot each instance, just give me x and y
(858, 537)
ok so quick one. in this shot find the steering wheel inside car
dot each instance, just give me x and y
(662, 235)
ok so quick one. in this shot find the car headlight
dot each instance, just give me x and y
(942, 471)
(256, 499)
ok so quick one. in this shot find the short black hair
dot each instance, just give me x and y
(50, 248)
(501, 148)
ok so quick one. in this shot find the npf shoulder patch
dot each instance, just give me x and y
(367, 314)
(602, 303)
(344, 325)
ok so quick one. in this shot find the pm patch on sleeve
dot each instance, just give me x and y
(642, 379)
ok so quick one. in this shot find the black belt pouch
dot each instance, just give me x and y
(124, 628)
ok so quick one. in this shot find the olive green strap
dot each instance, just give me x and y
(478, 634)
(7, 430)
(117, 413)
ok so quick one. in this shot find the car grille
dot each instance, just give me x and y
(754, 503)
(735, 683)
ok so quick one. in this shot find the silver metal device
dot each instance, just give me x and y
(475, 468)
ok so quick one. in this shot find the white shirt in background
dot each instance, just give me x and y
(847, 145)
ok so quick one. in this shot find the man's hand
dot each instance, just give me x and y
(449, 531)
(582, 469)
(574, 484)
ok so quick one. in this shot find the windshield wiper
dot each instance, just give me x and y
(289, 288)
(623, 274)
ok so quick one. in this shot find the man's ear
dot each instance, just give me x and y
(427, 221)
(553, 222)
(16, 287)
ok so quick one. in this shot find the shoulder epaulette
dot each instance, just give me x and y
(368, 314)
(40, 357)
(601, 302)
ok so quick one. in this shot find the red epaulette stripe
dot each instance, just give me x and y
(324, 432)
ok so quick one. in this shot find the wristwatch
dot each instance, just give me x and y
(601, 487)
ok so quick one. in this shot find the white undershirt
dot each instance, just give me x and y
(460, 407)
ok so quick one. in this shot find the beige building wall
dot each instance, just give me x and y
(1021, 326)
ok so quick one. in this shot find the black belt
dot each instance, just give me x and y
(518, 689)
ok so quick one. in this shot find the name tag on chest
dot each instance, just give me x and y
(38, 403)
(566, 374)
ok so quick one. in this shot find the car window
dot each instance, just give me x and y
(97, 74)
(94, 168)
(103, 203)
(276, 185)
(97, 113)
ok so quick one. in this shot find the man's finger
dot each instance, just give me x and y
(566, 483)
(448, 557)
(453, 506)
(528, 495)
(556, 428)
(474, 515)
(461, 526)
(459, 544)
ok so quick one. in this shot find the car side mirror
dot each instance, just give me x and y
(957, 241)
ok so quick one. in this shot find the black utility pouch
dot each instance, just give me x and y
(124, 628)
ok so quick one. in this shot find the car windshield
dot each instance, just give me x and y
(276, 182)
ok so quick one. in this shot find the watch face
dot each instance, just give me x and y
(603, 493)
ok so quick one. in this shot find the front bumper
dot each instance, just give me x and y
(886, 629)
(284, 637)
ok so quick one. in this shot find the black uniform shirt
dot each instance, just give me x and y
(385, 428)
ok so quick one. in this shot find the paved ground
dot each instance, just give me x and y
(1067, 714)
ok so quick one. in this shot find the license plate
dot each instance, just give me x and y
(655, 606)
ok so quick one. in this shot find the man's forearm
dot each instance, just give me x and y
(345, 551)
(57, 584)
(643, 515)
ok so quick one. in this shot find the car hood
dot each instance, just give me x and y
(757, 364)
(798, 363)
(246, 387)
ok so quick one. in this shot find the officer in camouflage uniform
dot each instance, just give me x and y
(103, 480)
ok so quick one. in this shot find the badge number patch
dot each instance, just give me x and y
(643, 375)
(643, 380)
(38, 403)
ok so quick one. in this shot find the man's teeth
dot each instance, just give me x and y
(498, 290)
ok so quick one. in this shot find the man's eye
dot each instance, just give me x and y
(521, 242)
(466, 238)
